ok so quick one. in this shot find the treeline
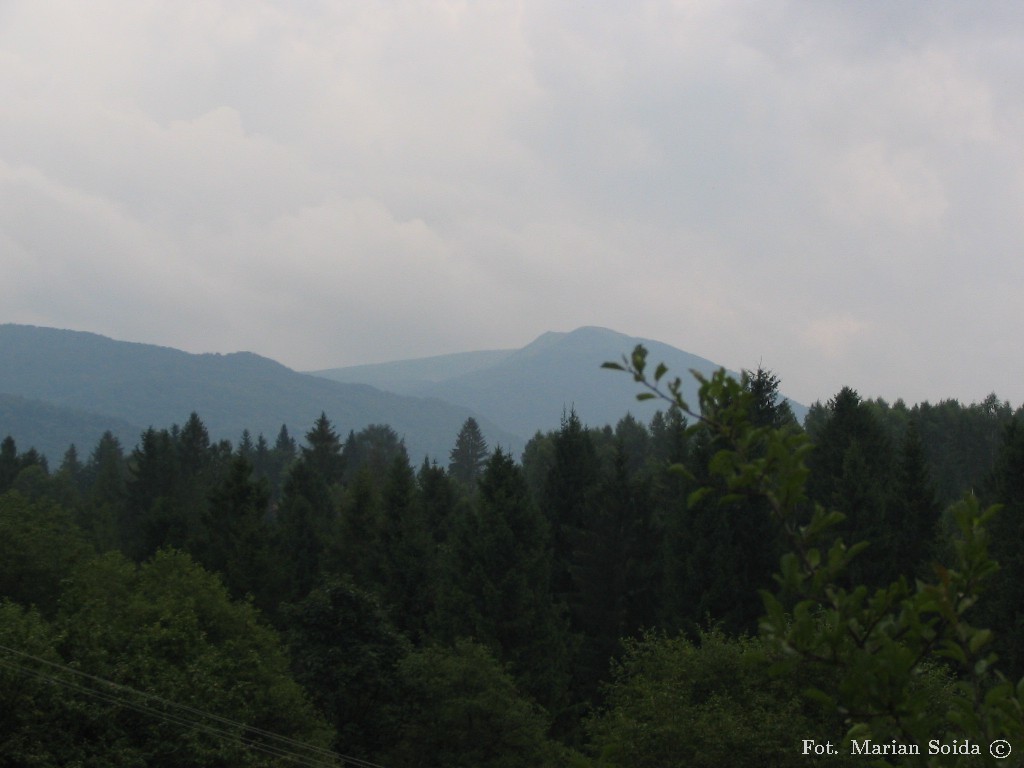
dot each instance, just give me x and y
(594, 603)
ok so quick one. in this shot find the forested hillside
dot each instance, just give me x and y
(525, 390)
(89, 378)
(186, 600)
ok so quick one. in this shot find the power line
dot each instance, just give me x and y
(186, 716)
(190, 723)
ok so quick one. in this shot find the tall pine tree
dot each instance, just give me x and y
(496, 582)
(467, 458)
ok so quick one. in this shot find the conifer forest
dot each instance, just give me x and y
(717, 586)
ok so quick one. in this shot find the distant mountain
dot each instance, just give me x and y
(123, 383)
(50, 428)
(411, 376)
(527, 389)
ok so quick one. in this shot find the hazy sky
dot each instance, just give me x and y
(833, 189)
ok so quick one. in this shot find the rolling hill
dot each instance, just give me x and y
(50, 375)
(527, 389)
(50, 428)
(59, 387)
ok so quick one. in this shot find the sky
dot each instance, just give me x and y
(831, 189)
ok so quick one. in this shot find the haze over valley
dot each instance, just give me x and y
(308, 451)
(59, 387)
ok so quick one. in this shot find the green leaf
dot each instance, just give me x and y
(980, 639)
(697, 496)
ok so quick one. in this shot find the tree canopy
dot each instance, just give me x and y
(714, 585)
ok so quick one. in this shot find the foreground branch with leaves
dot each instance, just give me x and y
(877, 648)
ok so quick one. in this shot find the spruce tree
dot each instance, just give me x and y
(570, 496)
(278, 462)
(104, 479)
(438, 497)
(324, 452)
(154, 518)
(496, 582)
(1003, 606)
(193, 443)
(406, 557)
(615, 573)
(9, 465)
(469, 455)
(246, 448)
(305, 521)
(852, 470)
(71, 467)
(236, 536)
(356, 548)
(914, 508)
(767, 406)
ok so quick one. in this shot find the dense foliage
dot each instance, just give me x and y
(608, 600)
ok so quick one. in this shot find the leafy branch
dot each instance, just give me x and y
(883, 645)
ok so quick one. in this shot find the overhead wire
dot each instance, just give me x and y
(271, 743)
(177, 720)
(192, 724)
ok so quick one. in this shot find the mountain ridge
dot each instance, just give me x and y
(527, 389)
(51, 377)
(159, 386)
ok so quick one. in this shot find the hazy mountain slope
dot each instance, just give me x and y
(412, 376)
(50, 428)
(527, 389)
(151, 385)
(530, 389)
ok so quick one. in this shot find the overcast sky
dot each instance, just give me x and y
(832, 189)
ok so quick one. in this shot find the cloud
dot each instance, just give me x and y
(832, 188)
(832, 336)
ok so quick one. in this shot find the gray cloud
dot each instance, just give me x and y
(834, 189)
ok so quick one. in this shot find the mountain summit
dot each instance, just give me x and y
(59, 387)
(528, 389)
